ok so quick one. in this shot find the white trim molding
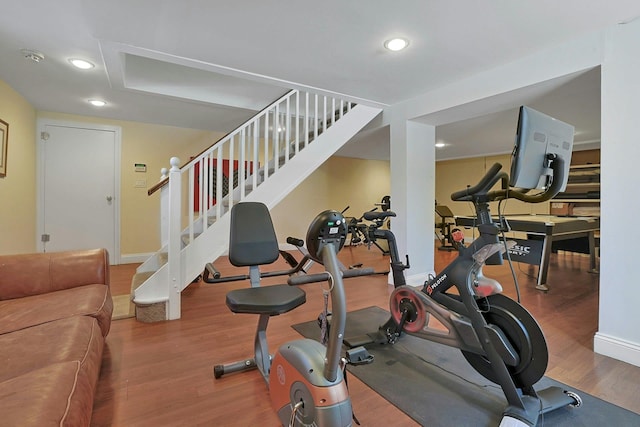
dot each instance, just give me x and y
(616, 348)
(135, 258)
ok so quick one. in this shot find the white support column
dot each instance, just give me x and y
(413, 195)
(174, 264)
(618, 334)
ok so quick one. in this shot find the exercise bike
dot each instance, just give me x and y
(310, 387)
(495, 334)
(305, 378)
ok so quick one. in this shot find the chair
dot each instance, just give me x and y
(253, 243)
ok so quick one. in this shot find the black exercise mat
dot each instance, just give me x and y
(434, 384)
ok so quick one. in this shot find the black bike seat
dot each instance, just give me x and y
(374, 216)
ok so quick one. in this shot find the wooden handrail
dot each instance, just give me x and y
(158, 186)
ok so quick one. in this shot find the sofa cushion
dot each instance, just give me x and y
(75, 338)
(89, 300)
(38, 273)
(54, 395)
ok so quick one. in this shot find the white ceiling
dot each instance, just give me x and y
(212, 64)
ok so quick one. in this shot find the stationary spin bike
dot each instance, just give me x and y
(495, 334)
(305, 378)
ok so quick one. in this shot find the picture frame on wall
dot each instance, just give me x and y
(4, 142)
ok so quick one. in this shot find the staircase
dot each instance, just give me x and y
(262, 160)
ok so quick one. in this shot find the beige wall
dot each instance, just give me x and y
(17, 189)
(338, 183)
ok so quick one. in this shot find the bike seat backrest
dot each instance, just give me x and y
(444, 211)
(377, 216)
(252, 238)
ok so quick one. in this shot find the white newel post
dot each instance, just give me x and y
(174, 246)
(164, 209)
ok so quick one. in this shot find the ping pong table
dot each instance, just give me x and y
(550, 229)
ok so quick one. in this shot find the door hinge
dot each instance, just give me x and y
(44, 135)
(45, 238)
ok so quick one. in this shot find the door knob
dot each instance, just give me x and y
(109, 198)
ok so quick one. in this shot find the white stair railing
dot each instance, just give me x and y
(245, 158)
(204, 189)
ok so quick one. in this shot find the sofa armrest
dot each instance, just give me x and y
(38, 273)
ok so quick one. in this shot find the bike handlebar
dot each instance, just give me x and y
(488, 180)
(296, 242)
(493, 175)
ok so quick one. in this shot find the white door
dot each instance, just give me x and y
(79, 188)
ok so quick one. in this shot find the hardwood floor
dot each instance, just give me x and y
(161, 374)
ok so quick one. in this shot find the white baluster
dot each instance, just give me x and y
(315, 118)
(297, 119)
(242, 166)
(306, 119)
(219, 182)
(232, 144)
(266, 146)
(333, 111)
(287, 130)
(255, 156)
(164, 209)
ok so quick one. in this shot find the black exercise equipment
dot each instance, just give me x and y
(375, 232)
(212, 275)
(305, 378)
(496, 335)
(297, 272)
(253, 243)
(369, 232)
(385, 203)
(447, 235)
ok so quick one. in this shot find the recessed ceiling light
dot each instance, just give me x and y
(396, 44)
(97, 102)
(440, 144)
(81, 63)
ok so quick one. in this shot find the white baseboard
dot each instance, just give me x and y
(134, 258)
(142, 257)
(617, 348)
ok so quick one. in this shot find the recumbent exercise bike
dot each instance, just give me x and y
(305, 378)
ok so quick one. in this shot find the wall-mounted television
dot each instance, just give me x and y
(537, 136)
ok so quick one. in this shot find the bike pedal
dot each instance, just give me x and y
(359, 356)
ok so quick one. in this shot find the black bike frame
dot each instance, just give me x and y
(457, 273)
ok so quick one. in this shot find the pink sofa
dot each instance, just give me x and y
(55, 312)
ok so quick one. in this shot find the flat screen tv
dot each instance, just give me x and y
(537, 136)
